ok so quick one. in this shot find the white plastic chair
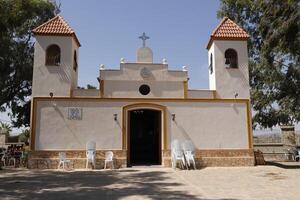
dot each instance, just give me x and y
(91, 145)
(90, 158)
(109, 159)
(12, 160)
(189, 151)
(177, 155)
(189, 156)
(287, 154)
(63, 160)
(3, 160)
(91, 154)
(297, 156)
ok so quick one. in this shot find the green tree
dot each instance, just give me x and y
(24, 136)
(5, 128)
(17, 19)
(274, 50)
(88, 86)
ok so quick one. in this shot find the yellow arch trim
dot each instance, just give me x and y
(152, 106)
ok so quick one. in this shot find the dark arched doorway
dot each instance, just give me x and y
(144, 137)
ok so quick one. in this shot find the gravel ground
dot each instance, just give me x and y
(213, 183)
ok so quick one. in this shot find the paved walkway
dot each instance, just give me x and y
(263, 182)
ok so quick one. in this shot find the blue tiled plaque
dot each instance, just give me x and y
(74, 113)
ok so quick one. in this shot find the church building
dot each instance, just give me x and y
(140, 108)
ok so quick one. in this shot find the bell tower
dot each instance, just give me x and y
(228, 61)
(55, 59)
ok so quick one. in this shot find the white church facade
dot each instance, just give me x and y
(140, 108)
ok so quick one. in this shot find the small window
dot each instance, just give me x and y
(211, 64)
(75, 65)
(53, 55)
(144, 89)
(231, 58)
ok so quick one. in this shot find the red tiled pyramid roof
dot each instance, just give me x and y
(56, 26)
(227, 30)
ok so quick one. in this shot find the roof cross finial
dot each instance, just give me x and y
(144, 38)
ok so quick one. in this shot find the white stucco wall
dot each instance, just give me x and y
(200, 94)
(158, 89)
(132, 71)
(229, 81)
(86, 93)
(56, 79)
(212, 76)
(125, 82)
(55, 131)
(144, 55)
(210, 125)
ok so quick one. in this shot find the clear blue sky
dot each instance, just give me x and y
(108, 30)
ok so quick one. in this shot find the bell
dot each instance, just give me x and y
(227, 61)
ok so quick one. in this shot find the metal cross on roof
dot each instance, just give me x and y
(144, 38)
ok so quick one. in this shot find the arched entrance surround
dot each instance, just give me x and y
(138, 106)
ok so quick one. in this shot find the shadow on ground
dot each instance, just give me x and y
(133, 184)
(286, 165)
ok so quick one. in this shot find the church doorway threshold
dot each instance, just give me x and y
(144, 137)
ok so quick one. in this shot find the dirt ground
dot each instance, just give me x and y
(214, 183)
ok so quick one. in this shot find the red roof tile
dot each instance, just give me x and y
(228, 30)
(56, 26)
